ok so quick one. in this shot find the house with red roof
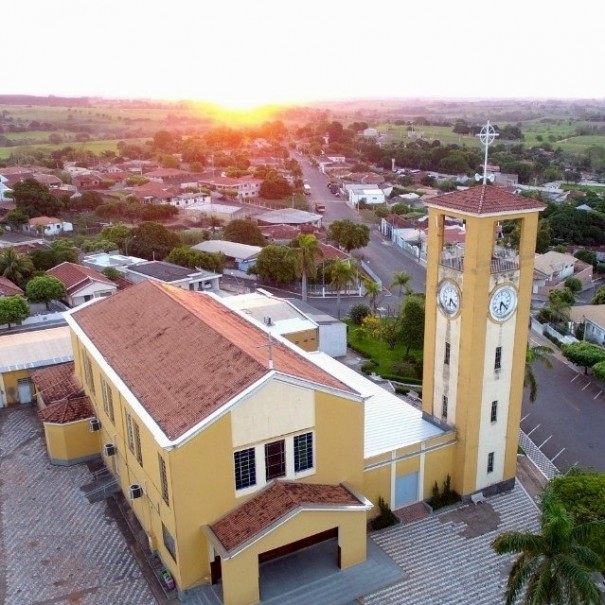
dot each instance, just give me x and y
(82, 283)
(8, 288)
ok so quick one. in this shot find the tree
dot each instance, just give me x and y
(587, 256)
(412, 323)
(372, 290)
(276, 264)
(555, 566)
(152, 241)
(599, 297)
(16, 219)
(532, 354)
(560, 301)
(45, 288)
(359, 312)
(13, 309)
(15, 266)
(307, 251)
(401, 280)
(342, 274)
(584, 354)
(244, 231)
(196, 259)
(574, 284)
(35, 199)
(118, 234)
(582, 492)
(349, 235)
(275, 187)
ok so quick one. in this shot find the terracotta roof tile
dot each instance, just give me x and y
(184, 354)
(273, 503)
(74, 276)
(7, 288)
(44, 220)
(56, 382)
(67, 410)
(485, 199)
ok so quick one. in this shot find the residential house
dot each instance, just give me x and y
(82, 283)
(23, 352)
(175, 275)
(8, 288)
(91, 180)
(246, 187)
(48, 226)
(240, 256)
(50, 180)
(104, 260)
(593, 318)
(5, 190)
(223, 212)
(194, 399)
(358, 193)
(551, 269)
(171, 176)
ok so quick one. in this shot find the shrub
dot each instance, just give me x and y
(446, 496)
(358, 312)
(386, 518)
(407, 368)
(574, 284)
(368, 367)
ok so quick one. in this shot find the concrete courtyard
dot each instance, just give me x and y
(57, 549)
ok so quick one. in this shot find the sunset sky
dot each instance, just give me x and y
(242, 53)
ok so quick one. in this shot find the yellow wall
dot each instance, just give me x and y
(11, 393)
(438, 464)
(200, 472)
(71, 443)
(241, 574)
(307, 340)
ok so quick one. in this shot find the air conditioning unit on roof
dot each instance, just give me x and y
(94, 425)
(109, 449)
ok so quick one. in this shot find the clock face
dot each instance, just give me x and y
(449, 298)
(503, 302)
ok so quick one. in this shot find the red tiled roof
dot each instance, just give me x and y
(68, 410)
(485, 199)
(44, 220)
(56, 382)
(167, 172)
(273, 503)
(74, 277)
(332, 253)
(7, 288)
(184, 354)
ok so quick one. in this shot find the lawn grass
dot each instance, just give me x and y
(377, 350)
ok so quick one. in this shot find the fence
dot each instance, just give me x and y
(533, 452)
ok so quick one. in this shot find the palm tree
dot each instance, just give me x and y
(15, 266)
(555, 566)
(307, 250)
(342, 273)
(372, 290)
(535, 353)
(401, 280)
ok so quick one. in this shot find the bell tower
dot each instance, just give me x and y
(477, 315)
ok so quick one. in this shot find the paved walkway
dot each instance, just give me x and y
(448, 558)
(55, 547)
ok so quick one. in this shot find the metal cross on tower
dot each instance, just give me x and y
(487, 137)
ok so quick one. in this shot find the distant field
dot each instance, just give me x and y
(94, 146)
(562, 131)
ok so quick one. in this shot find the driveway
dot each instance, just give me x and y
(55, 547)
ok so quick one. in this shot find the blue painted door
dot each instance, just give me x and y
(406, 490)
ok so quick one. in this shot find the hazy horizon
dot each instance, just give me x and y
(240, 55)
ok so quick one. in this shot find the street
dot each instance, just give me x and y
(567, 420)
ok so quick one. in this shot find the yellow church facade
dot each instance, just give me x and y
(234, 447)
